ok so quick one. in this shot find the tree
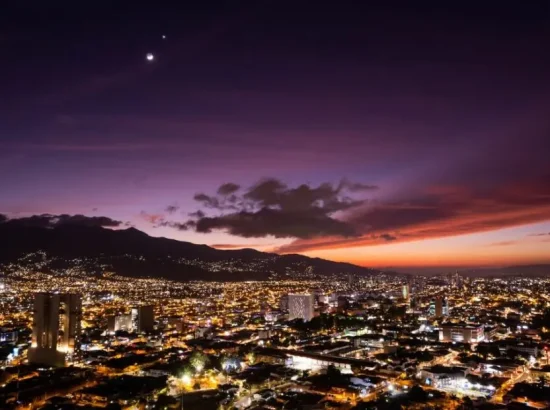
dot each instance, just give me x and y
(187, 374)
(333, 373)
(251, 357)
(417, 394)
(467, 403)
(198, 360)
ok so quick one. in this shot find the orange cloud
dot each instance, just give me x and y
(438, 213)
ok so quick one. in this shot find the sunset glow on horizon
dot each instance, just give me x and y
(395, 139)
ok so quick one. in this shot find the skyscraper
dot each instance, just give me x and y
(283, 303)
(406, 292)
(143, 318)
(300, 307)
(439, 307)
(56, 328)
(445, 307)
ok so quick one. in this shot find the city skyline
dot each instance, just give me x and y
(380, 136)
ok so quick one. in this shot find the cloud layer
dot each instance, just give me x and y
(441, 212)
(331, 216)
(272, 208)
(52, 221)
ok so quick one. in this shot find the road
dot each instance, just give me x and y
(507, 386)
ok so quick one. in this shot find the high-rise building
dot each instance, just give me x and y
(283, 303)
(143, 318)
(406, 292)
(457, 280)
(439, 307)
(120, 322)
(445, 307)
(300, 307)
(56, 328)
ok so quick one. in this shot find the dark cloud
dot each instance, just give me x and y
(171, 209)
(277, 223)
(3, 218)
(271, 193)
(236, 246)
(197, 214)
(357, 186)
(270, 207)
(540, 234)
(503, 243)
(180, 226)
(441, 212)
(207, 201)
(388, 237)
(51, 221)
(228, 189)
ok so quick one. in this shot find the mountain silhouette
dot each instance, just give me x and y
(131, 252)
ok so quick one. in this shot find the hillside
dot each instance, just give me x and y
(131, 252)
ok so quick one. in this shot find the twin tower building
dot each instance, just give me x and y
(56, 332)
(56, 328)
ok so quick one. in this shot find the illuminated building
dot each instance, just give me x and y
(442, 376)
(8, 335)
(439, 307)
(56, 328)
(283, 303)
(406, 292)
(461, 333)
(143, 318)
(120, 322)
(300, 307)
(272, 316)
(432, 309)
(444, 307)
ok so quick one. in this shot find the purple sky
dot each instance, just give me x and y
(444, 110)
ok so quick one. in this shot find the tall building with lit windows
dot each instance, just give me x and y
(439, 307)
(407, 292)
(301, 307)
(56, 328)
(143, 318)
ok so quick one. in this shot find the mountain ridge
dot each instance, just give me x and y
(132, 252)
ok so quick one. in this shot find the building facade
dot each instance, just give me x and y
(461, 333)
(56, 329)
(120, 322)
(301, 307)
(143, 318)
